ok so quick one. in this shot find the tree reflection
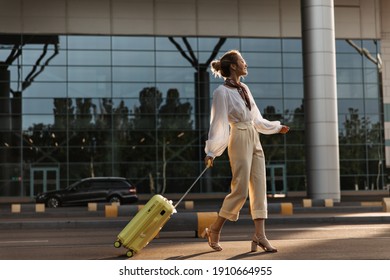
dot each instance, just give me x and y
(176, 137)
(160, 141)
(156, 141)
(107, 139)
(360, 139)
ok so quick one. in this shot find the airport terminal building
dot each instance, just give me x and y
(123, 88)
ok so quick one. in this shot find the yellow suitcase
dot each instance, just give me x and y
(148, 222)
(145, 225)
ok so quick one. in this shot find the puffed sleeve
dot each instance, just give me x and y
(218, 137)
(265, 126)
(262, 125)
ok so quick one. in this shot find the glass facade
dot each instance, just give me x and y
(138, 107)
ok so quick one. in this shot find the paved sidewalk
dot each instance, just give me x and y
(70, 218)
(342, 232)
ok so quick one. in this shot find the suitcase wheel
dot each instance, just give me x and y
(117, 244)
(130, 253)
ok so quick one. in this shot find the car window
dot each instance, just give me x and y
(100, 185)
(129, 183)
(83, 186)
(119, 184)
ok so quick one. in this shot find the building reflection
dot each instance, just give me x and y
(138, 107)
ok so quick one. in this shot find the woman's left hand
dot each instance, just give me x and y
(284, 129)
(209, 161)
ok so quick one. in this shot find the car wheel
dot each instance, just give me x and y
(115, 198)
(53, 202)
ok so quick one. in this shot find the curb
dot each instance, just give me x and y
(179, 219)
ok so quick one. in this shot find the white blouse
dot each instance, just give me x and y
(229, 107)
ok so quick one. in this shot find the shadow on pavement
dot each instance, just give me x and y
(119, 257)
(247, 255)
(183, 257)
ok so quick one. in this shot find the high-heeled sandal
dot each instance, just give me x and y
(263, 243)
(207, 234)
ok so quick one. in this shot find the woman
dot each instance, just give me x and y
(235, 123)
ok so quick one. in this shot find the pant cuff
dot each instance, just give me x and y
(229, 216)
(259, 214)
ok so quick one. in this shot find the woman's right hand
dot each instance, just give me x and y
(209, 161)
(284, 129)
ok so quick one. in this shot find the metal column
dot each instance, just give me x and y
(320, 95)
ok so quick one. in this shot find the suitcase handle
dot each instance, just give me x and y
(193, 184)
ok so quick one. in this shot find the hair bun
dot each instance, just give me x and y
(216, 67)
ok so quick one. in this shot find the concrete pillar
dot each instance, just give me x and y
(385, 55)
(320, 99)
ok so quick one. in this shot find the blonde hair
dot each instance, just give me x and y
(221, 67)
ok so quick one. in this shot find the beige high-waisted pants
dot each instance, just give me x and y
(248, 173)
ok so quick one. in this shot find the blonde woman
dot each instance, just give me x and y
(235, 122)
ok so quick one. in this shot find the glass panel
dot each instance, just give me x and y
(89, 58)
(376, 123)
(372, 91)
(203, 57)
(270, 107)
(293, 90)
(14, 76)
(5, 51)
(371, 61)
(89, 74)
(344, 46)
(126, 106)
(51, 182)
(292, 60)
(258, 45)
(371, 46)
(37, 105)
(186, 90)
(47, 89)
(345, 105)
(292, 45)
(89, 42)
(169, 74)
(38, 182)
(133, 74)
(129, 90)
(171, 59)
(293, 105)
(264, 75)
(168, 43)
(51, 56)
(266, 90)
(208, 44)
(372, 106)
(350, 90)
(133, 43)
(139, 58)
(35, 122)
(353, 76)
(371, 75)
(349, 60)
(263, 59)
(89, 90)
(293, 75)
(49, 74)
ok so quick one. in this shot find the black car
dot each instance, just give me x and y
(96, 189)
